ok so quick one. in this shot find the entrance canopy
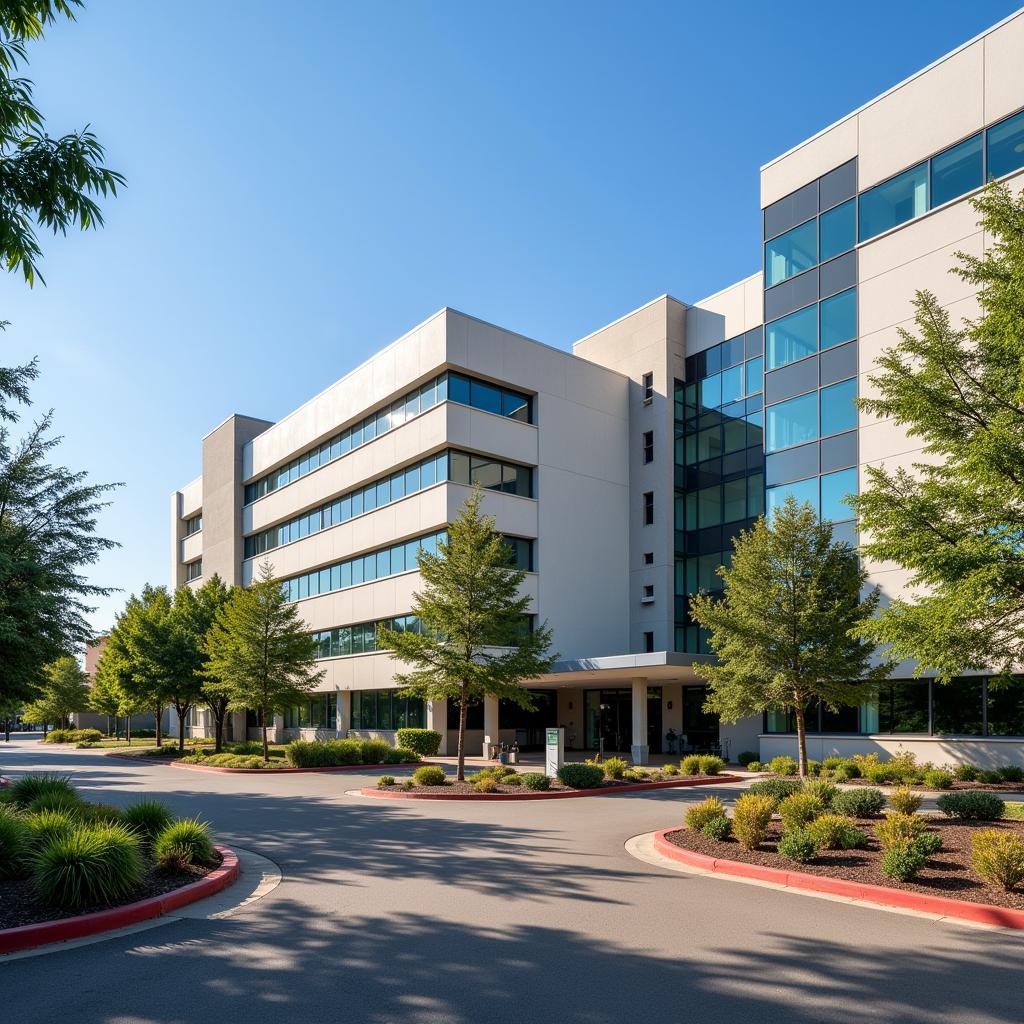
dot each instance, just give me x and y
(656, 668)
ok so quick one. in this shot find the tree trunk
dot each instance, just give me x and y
(218, 730)
(156, 715)
(460, 774)
(182, 712)
(128, 728)
(266, 747)
(801, 740)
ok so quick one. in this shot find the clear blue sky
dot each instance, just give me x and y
(306, 182)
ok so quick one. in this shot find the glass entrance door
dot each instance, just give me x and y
(609, 716)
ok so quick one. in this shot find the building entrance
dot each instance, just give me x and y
(609, 717)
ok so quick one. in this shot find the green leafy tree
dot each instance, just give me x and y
(9, 711)
(44, 181)
(261, 651)
(956, 520)
(210, 598)
(105, 699)
(111, 688)
(65, 690)
(785, 627)
(473, 644)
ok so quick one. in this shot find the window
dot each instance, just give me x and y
(734, 500)
(648, 446)
(648, 592)
(957, 707)
(835, 488)
(648, 558)
(1005, 145)
(648, 508)
(648, 384)
(648, 643)
(1006, 707)
(791, 253)
(838, 318)
(898, 200)
(193, 524)
(792, 422)
(385, 709)
(802, 490)
(838, 230)
(193, 570)
(838, 412)
(792, 337)
(956, 171)
(903, 707)
(754, 372)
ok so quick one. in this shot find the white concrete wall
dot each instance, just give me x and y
(987, 752)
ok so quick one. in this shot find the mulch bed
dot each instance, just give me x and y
(948, 873)
(20, 905)
(992, 787)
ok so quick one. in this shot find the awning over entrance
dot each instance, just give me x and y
(621, 669)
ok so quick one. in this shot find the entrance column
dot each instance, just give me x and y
(490, 722)
(639, 749)
(437, 719)
(343, 712)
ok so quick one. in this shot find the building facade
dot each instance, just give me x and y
(621, 472)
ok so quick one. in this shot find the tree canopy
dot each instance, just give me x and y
(64, 691)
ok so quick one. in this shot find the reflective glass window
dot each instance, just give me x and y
(792, 337)
(835, 488)
(485, 396)
(792, 422)
(1005, 142)
(956, 707)
(956, 171)
(459, 468)
(838, 411)
(1006, 707)
(838, 230)
(732, 384)
(755, 495)
(427, 478)
(709, 506)
(791, 253)
(515, 406)
(754, 371)
(458, 389)
(711, 392)
(485, 473)
(839, 318)
(895, 201)
(734, 500)
(805, 491)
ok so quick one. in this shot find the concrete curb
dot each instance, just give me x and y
(557, 794)
(224, 770)
(981, 913)
(42, 933)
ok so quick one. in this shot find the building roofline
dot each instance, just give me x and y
(722, 291)
(626, 316)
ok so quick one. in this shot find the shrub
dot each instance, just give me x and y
(402, 755)
(755, 766)
(905, 801)
(990, 778)
(408, 784)
(614, 768)
(246, 748)
(903, 861)
(374, 751)
(966, 773)
(707, 810)
(538, 782)
(671, 769)
(513, 780)
(580, 776)
(971, 806)
(718, 829)
(859, 803)
(937, 778)
(746, 756)
(68, 803)
(634, 775)
(91, 865)
(29, 788)
(147, 819)
(15, 840)
(324, 753)
(998, 857)
(182, 843)
(903, 767)
(385, 780)
(99, 814)
(430, 775)
(751, 820)
(834, 832)
(831, 763)
(797, 844)
(823, 790)
(1011, 773)
(488, 784)
(84, 736)
(843, 773)
(783, 765)
(43, 827)
(776, 789)
(877, 773)
(929, 843)
(813, 767)
(710, 764)
(799, 810)
(690, 765)
(425, 742)
(58, 736)
(898, 828)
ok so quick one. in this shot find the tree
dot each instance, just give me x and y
(956, 521)
(261, 650)
(43, 181)
(65, 691)
(9, 711)
(209, 599)
(473, 643)
(784, 628)
(109, 689)
(106, 699)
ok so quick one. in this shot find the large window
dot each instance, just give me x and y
(1005, 143)
(790, 423)
(839, 318)
(193, 570)
(805, 491)
(903, 707)
(893, 202)
(792, 337)
(835, 489)
(957, 707)
(838, 411)
(838, 230)
(1006, 707)
(385, 709)
(319, 712)
(957, 171)
(791, 253)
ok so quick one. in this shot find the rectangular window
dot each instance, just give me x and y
(793, 422)
(957, 707)
(791, 253)
(734, 501)
(193, 525)
(838, 230)
(648, 446)
(1006, 707)
(485, 473)
(648, 508)
(193, 570)
(648, 643)
(648, 386)
(956, 171)
(903, 707)
(894, 202)
(709, 506)
(838, 318)
(486, 397)
(755, 495)
(792, 337)
(1005, 145)
(838, 412)
(754, 374)
(732, 384)
(711, 392)
(835, 489)
(805, 491)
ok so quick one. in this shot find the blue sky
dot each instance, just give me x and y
(304, 188)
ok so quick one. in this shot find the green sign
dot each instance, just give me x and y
(552, 737)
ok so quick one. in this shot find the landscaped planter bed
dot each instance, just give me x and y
(947, 874)
(992, 787)
(284, 768)
(467, 791)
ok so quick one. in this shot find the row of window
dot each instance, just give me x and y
(450, 387)
(818, 327)
(362, 637)
(385, 709)
(193, 524)
(820, 239)
(458, 467)
(729, 435)
(969, 706)
(828, 494)
(725, 354)
(728, 502)
(808, 417)
(319, 712)
(193, 570)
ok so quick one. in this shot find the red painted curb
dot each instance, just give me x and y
(557, 794)
(28, 936)
(984, 913)
(171, 763)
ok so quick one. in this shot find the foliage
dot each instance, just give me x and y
(690, 765)
(429, 775)
(513, 780)
(877, 773)
(745, 757)
(261, 651)
(425, 742)
(93, 865)
(751, 819)
(385, 781)
(905, 801)
(938, 778)
(15, 837)
(998, 858)
(784, 628)
(776, 789)
(859, 803)
(536, 781)
(971, 806)
(147, 819)
(323, 753)
(580, 776)
(798, 845)
(898, 828)
(29, 788)
(473, 645)
(717, 828)
(710, 764)
(671, 769)
(43, 826)
(487, 784)
(755, 766)
(823, 790)
(784, 765)
(184, 842)
(614, 767)
(374, 751)
(67, 803)
(1011, 773)
(966, 773)
(800, 810)
(63, 691)
(903, 860)
(835, 832)
(954, 520)
(990, 777)
(701, 813)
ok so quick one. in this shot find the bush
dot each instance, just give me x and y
(402, 755)
(751, 820)
(718, 829)
(905, 801)
(877, 773)
(937, 778)
(755, 766)
(430, 775)
(42, 828)
(843, 773)
(899, 828)
(99, 814)
(29, 788)
(903, 767)
(707, 810)
(798, 845)
(776, 789)
(690, 765)
(783, 765)
(68, 803)
(929, 843)
(1011, 773)
(834, 832)
(859, 803)
(182, 843)
(15, 840)
(710, 764)
(813, 767)
(385, 780)
(408, 784)
(513, 780)
(373, 751)
(58, 736)
(831, 763)
(998, 858)
(614, 768)
(246, 748)
(799, 810)
(671, 769)
(92, 865)
(903, 861)
(990, 778)
(746, 757)
(84, 736)
(488, 784)
(580, 776)
(324, 753)
(424, 742)
(971, 806)
(537, 782)
(966, 773)
(823, 790)
(147, 819)
(634, 775)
